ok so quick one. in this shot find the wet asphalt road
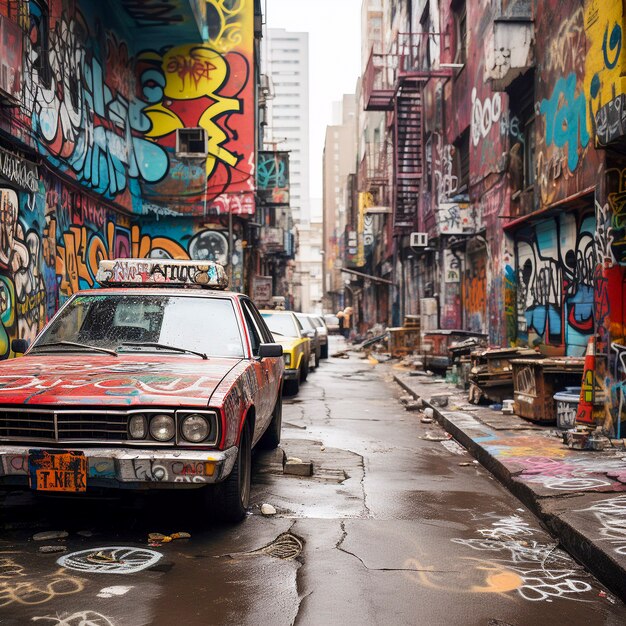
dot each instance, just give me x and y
(394, 527)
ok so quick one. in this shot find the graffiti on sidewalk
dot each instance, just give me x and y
(111, 560)
(81, 618)
(611, 515)
(507, 557)
(19, 586)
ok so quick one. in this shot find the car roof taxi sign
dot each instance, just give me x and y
(162, 273)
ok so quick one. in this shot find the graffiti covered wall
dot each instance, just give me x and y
(113, 178)
(52, 246)
(106, 114)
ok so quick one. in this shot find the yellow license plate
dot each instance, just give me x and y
(57, 470)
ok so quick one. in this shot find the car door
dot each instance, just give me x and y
(269, 379)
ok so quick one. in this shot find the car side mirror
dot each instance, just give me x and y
(270, 350)
(19, 345)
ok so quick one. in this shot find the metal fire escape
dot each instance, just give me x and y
(393, 83)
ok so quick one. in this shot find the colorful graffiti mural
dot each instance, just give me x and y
(108, 116)
(555, 270)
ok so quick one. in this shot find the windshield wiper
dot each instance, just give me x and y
(73, 344)
(150, 344)
(274, 332)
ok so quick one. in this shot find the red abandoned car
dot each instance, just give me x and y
(159, 379)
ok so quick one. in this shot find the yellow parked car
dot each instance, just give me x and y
(288, 331)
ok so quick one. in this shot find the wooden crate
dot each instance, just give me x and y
(403, 340)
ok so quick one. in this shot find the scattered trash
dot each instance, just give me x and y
(602, 594)
(49, 535)
(52, 549)
(428, 412)
(340, 355)
(507, 407)
(373, 360)
(496, 407)
(115, 591)
(166, 539)
(436, 436)
(268, 509)
(298, 467)
(466, 464)
(413, 406)
(156, 536)
(427, 420)
(406, 399)
(101, 557)
(181, 535)
(439, 400)
(322, 449)
(85, 533)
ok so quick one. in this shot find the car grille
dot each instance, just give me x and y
(62, 425)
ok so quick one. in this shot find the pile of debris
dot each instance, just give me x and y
(491, 373)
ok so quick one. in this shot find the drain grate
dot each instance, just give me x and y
(286, 546)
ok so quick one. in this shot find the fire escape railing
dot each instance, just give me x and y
(412, 56)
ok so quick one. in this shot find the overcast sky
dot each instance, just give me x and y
(334, 28)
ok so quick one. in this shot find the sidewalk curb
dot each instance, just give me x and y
(586, 551)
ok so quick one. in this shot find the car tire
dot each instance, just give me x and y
(324, 352)
(271, 437)
(304, 372)
(292, 387)
(230, 498)
(317, 359)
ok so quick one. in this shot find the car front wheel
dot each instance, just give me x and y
(231, 497)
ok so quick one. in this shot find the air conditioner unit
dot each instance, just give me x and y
(419, 240)
(191, 142)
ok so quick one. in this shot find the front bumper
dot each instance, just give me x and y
(291, 374)
(129, 468)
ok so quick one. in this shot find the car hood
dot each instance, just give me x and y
(289, 343)
(125, 380)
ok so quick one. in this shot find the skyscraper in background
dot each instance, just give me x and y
(286, 61)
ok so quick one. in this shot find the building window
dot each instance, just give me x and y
(459, 10)
(521, 130)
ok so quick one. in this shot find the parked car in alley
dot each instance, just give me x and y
(297, 352)
(322, 333)
(310, 330)
(161, 379)
(332, 323)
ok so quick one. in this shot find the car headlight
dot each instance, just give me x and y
(195, 428)
(162, 427)
(137, 427)
(287, 358)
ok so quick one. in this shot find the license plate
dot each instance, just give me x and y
(57, 470)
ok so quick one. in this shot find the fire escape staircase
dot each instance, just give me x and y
(408, 153)
(393, 82)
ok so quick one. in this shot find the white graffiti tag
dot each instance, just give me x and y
(484, 115)
(611, 514)
(540, 571)
(111, 560)
(83, 618)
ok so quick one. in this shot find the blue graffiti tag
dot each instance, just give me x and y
(615, 45)
(566, 119)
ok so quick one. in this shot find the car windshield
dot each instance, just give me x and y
(305, 321)
(202, 325)
(281, 324)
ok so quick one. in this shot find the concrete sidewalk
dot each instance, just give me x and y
(579, 495)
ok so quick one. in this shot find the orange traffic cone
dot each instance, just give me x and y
(584, 415)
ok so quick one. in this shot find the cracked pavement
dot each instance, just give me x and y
(394, 528)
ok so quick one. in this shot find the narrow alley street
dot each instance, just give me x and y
(397, 525)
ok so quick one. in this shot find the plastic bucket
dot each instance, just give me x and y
(566, 407)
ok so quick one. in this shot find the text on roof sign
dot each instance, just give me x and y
(162, 272)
